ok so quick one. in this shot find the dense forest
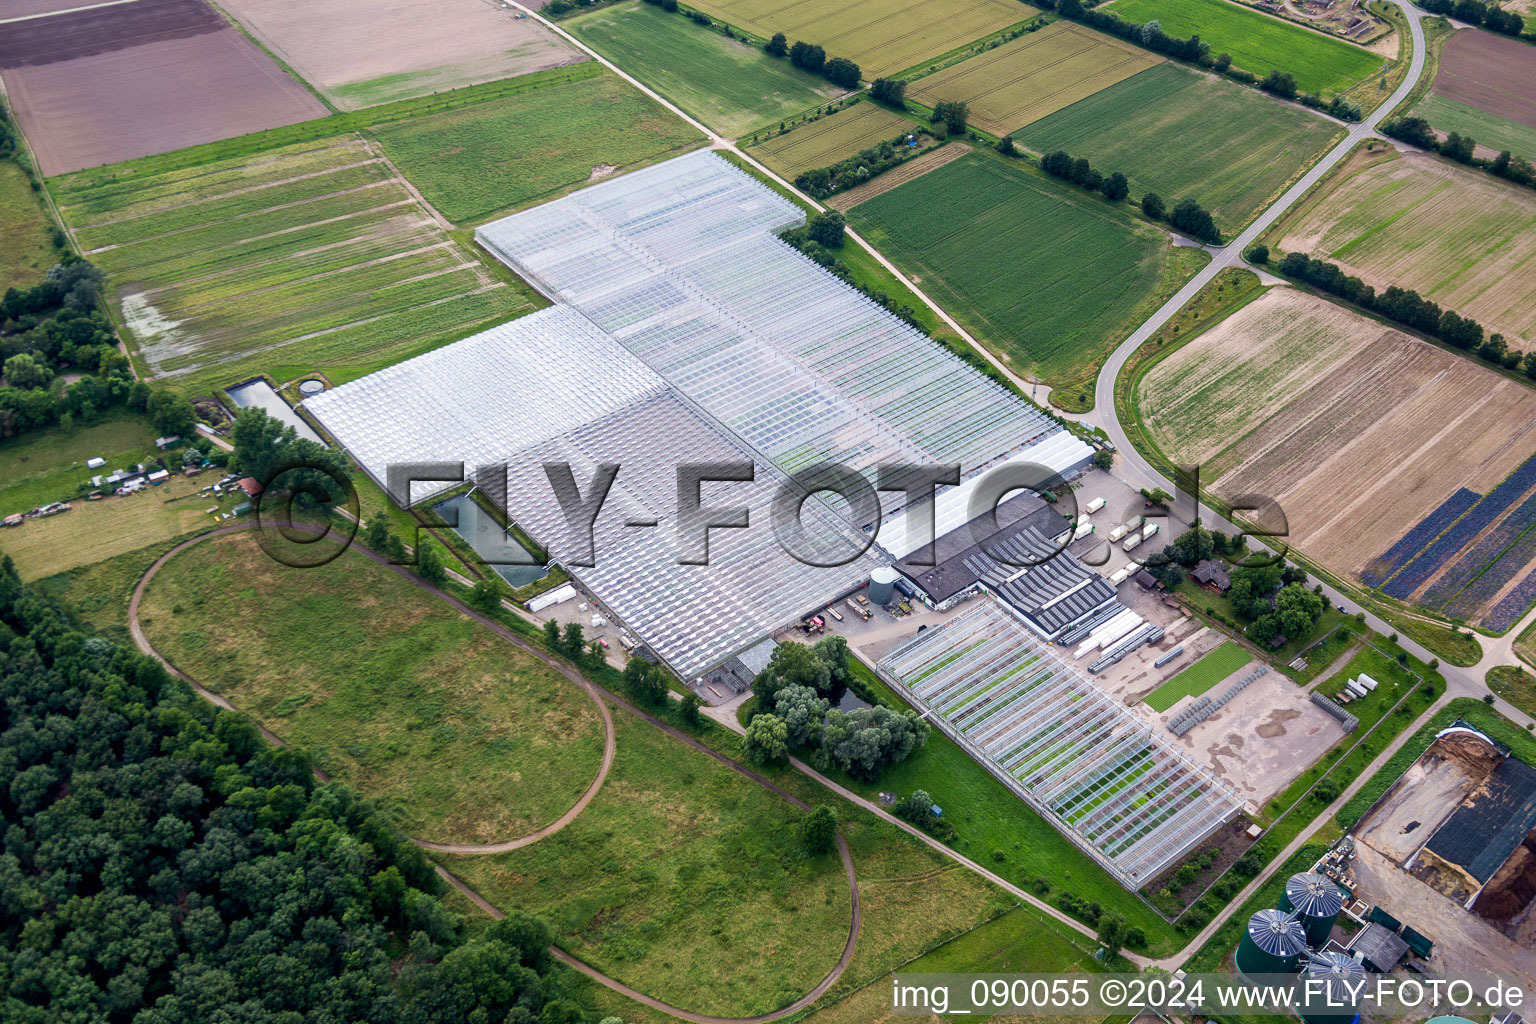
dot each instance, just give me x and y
(163, 864)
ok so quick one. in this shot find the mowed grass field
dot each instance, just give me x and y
(1049, 277)
(475, 161)
(829, 139)
(1211, 669)
(1027, 78)
(729, 85)
(881, 36)
(1487, 129)
(311, 256)
(1175, 132)
(1259, 43)
(466, 738)
(28, 251)
(1293, 393)
(683, 880)
(1460, 237)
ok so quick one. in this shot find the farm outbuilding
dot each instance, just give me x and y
(1094, 769)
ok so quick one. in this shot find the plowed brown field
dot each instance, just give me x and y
(1358, 431)
(98, 86)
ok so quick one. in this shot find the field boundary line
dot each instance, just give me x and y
(72, 10)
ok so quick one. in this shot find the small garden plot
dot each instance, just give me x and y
(830, 139)
(733, 87)
(1201, 676)
(1176, 132)
(1258, 42)
(1025, 79)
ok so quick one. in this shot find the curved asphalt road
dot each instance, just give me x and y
(600, 697)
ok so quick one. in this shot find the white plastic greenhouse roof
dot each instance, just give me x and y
(679, 262)
(552, 388)
(483, 398)
(1102, 775)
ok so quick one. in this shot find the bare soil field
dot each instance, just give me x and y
(395, 49)
(1490, 72)
(99, 86)
(1357, 430)
(914, 168)
(1460, 237)
(13, 9)
(1036, 74)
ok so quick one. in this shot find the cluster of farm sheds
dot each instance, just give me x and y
(1459, 823)
(684, 332)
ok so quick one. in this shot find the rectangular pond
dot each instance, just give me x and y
(500, 549)
(258, 394)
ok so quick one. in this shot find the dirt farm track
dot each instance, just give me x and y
(1323, 410)
(97, 86)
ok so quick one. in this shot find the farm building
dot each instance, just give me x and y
(1489, 842)
(1094, 769)
(685, 332)
(1020, 558)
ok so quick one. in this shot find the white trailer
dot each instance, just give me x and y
(1093, 506)
(1367, 682)
(1356, 688)
(1119, 576)
(1117, 533)
(1132, 543)
(1148, 531)
(1083, 530)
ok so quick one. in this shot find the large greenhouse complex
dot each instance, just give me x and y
(1104, 777)
(685, 331)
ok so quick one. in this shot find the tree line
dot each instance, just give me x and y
(821, 182)
(1405, 306)
(1187, 214)
(1283, 84)
(1416, 131)
(56, 327)
(164, 863)
(1194, 50)
(1475, 12)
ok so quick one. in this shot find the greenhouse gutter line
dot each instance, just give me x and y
(717, 141)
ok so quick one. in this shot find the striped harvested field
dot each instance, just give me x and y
(835, 137)
(1458, 236)
(1025, 79)
(1357, 430)
(914, 168)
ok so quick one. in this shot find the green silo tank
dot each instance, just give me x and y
(1272, 944)
(1316, 902)
(1333, 970)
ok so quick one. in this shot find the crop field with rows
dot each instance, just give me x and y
(1292, 393)
(829, 139)
(312, 256)
(1458, 236)
(1050, 277)
(1258, 42)
(881, 36)
(1473, 563)
(730, 85)
(1027, 78)
(1178, 133)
